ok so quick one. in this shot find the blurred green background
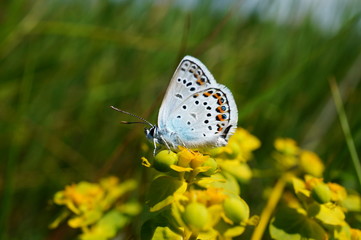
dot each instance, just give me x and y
(63, 63)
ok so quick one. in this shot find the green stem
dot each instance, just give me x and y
(193, 236)
(345, 128)
(271, 205)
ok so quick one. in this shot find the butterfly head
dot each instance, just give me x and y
(152, 133)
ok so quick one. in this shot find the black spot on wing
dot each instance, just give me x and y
(179, 96)
(226, 131)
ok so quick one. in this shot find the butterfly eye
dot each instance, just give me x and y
(151, 131)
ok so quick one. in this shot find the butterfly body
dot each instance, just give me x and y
(196, 111)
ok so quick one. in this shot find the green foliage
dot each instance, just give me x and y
(291, 224)
(162, 191)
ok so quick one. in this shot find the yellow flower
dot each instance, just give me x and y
(311, 182)
(239, 147)
(80, 197)
(287, 146)
(185, 156)
(109, 183)
(338, 192)
(89, 201)
(311, 163)
(208, 197)
(189, 160)
(355, 234)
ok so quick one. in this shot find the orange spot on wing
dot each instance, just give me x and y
(217, 95)
(221, 117)
(207, 94)
(199, 82)
(219, 109)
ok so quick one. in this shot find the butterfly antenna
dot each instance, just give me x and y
(126, 122)
(133, 115)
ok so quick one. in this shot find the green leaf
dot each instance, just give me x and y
(241, 171)
(130, 208)
(227, 230)
(164, 233)
(114, 219)
(352, 203)
(157, 228)
(60, 219)
(162, 191)
(107, 227)
(327, 214)
(294, 225)
(222, 180)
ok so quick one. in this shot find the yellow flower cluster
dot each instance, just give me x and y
(210, 213)
(289, 155)
(95, 207)
(233, 158)
(240, 147)
(326, 203)
(203, 200)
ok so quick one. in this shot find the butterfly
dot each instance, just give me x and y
(196, 110)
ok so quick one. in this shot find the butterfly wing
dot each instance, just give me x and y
(191, 76)
(198, 110)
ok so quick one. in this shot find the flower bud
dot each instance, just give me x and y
(164, 159)
(196, 216)
(185, 157)
(210, 162)
(321, 193)
(235, 149)
(236, 209)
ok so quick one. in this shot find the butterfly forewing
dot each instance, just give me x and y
(198, 110)
(190, 77)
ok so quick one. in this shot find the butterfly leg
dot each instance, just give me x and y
(155, 146)
(180, 140)
(165, 143)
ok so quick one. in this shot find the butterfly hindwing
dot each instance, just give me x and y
(205, 117)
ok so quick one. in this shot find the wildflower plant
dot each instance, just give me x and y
(196, 194)
(98, 209)
(313, 208)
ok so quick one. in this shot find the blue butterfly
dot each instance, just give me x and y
(196, 110)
